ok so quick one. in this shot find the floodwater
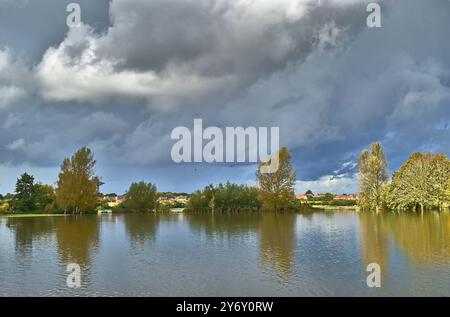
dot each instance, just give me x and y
(247, 254)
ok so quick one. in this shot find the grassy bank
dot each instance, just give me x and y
(31, 215)
(176, 209)
(336, 208)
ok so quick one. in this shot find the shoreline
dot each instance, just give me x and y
(32, 215)
(335, 208)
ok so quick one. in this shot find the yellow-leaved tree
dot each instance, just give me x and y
(77, 188)
(373, 177)
(277, 189)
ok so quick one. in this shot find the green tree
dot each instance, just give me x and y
(224, 198)
(447, 195)
(420, 183)
(309, 192)
(25, 194)
(141, 197)
(44, 197)
(373, 176)
(447, 192)
(77, 186)
(277, 188)
(198, 202)
(439, 180)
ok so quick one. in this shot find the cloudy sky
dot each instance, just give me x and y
(136, 69)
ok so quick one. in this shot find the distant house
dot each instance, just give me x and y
(171, 200)
(181, 198)
(304, 196)
(114, 200)
(346, 197)
(120, 199)
(318, 196)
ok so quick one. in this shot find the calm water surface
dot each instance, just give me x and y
(227, 255)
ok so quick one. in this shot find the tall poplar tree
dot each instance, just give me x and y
(78, 187)
(373, 177)
(447, 194)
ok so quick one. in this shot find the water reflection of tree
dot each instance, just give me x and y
(277, 242)
(77, 239)
(374, 239)
(141, 227)
(27, 230)
(224, 225)
(422, 237)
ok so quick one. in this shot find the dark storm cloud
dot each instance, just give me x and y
(219, 38)
(174, 52)
(312, 68)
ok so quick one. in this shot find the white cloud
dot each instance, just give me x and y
(339, 184)
(16, 145)
(89, 78)
(10, 95)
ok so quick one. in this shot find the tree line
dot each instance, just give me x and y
(225, 198)
(421, 183)
(77, 191)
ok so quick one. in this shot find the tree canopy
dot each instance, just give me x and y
(24, 200)
(141, 197)
(277, 189)
(373, 176)
(77, 186)
(225, 198)
(32, 197)
(421, 182)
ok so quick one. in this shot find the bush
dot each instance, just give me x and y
(225, 198)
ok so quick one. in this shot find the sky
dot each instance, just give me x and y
(134, 70)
